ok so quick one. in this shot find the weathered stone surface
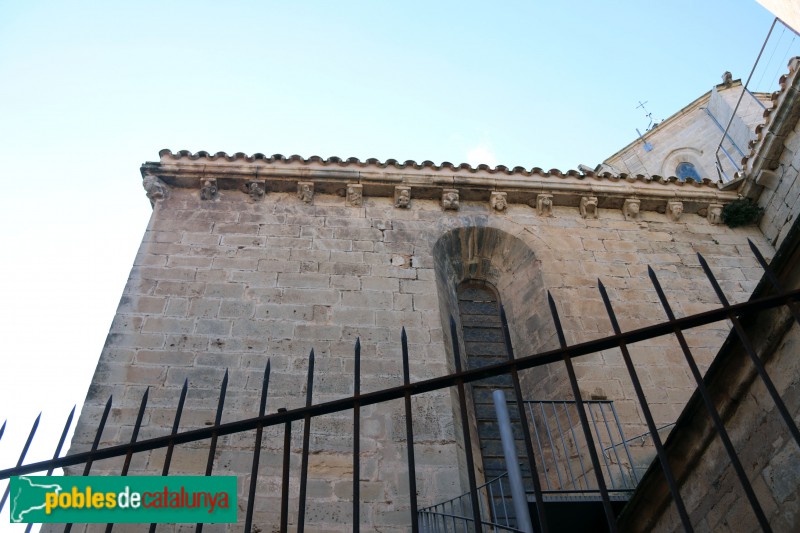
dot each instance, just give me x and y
(233, 282)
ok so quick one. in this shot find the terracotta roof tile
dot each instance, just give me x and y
(446, 166)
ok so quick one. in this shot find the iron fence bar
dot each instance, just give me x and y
(462, 401)
(100, 427)
(599, 438)
(503, 502)
(420, 387)
(22, 456)
(412, 468)
(648, 416)
(575, 440)
(251, 494)
(62, 439)
(134, 435)
(539, 445)
(552, 446)
(212, 449)
(576, 392)
(564, 446)
(287, 444)
(523, 421)
(301, 509)
(614, 448)
(625, 444)
(491, 512)
(175, 425)
(356, 436)
(712, 410)
(773, 279)
(58, 451)
(748, 348)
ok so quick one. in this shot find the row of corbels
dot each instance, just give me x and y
(450, 201)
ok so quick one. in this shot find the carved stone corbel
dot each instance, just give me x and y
(450, 199)
(588, 207)
(499, 201)
(715, 214)
(155, 189)
(305, 191)
(255, 189)
(630, 209)
(402, 197)
(544, 205)
(209, 190)
(355, 195)
(674, 210)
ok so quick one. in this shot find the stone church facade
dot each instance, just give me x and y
(254, 258)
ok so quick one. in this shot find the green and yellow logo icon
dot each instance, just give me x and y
(117, 499)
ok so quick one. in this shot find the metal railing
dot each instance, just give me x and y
(772, 70)
(564, 355)
(455, 515)
(562, 457)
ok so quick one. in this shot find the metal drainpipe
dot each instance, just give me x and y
(518, 497)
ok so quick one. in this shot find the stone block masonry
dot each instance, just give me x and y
(235, 279)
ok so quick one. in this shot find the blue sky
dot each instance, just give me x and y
(90, 90)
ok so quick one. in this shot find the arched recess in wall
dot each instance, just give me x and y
(487, 263)
(684, 157)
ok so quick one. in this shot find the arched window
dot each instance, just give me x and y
(479, 310)
(686, 170)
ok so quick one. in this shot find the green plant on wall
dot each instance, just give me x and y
(741, 212)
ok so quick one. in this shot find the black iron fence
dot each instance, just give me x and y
(565, 354)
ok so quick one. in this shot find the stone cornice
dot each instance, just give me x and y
(427, 181)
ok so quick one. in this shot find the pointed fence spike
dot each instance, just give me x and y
(310, 379)
(357, 368)
(301, 512)
(768, 272)
(62, 438)
(712, 280)
(22, 456)
(660, 452)
(465, 433)
(262, 409)
(356, 514)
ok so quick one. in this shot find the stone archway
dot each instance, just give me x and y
(483, 266)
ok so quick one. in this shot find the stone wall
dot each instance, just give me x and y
(781, 199)
(692, 136)
(236, 279)
(713, 495)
